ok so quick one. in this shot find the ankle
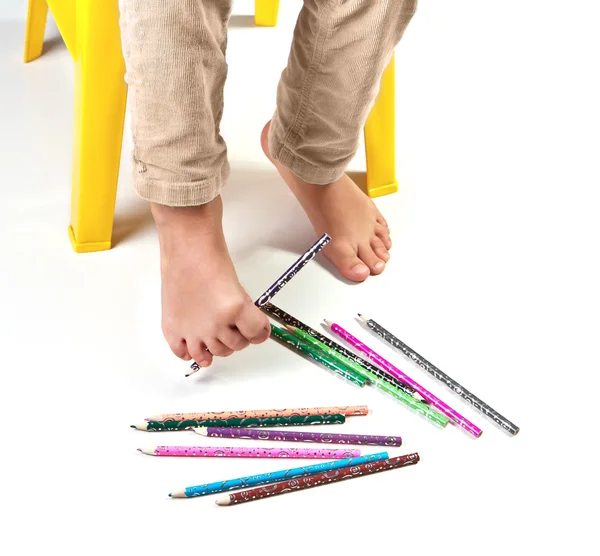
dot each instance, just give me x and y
(174, 218)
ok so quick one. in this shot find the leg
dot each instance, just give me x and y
(37, 13)
(380, 144)
(266, 12)
(100, 98)
(176, 70)
(339, 54)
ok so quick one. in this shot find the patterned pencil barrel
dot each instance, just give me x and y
(290, 340)
(300, 436)
(153, 426)
(286, 318)
(319, 479)
(346, 410)
(272, 290)
(274, 476)
(441, 376)
(293, 270)
(461, 421)
(235, 452)
(390, 389)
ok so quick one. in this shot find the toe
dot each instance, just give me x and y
(179, 348)
(218, 348)
(381, 220)
(253, 324)
(199, 353)
(383, 234)
(233, 339)
(379, 249)
(368, 256)
(344, 257)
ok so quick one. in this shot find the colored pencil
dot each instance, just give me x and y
(296, 343)
(298, 436)
(153, 426)
(320, 479)
(463, 422)
(286, 318)
(441, 376)
(425, 410)
(276, 287)
(235, 452)
(346, 410)
(273, 476)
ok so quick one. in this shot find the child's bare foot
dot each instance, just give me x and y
(203, 303)
(360, 235)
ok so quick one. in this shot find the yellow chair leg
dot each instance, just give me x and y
(100, 98)
(37, 12)
(265, 12)
(380, 139)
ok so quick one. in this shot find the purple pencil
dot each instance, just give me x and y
(296, 436)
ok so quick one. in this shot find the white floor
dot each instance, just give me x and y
(494, 277)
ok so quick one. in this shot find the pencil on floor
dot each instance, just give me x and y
(461, 421)
(425, 410)
(319, 356)
(285, 318)
(346, 410)
(235, 452)
(156, 426)
(476, 402)
(300, 436)
(273, 476)
(320, 479)
(274, 288)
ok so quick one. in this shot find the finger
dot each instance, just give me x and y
(218, 348)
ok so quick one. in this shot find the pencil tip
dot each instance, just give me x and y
(327, 322)
(169, 494)
(133, 426)
(139, 449)
(359, 315)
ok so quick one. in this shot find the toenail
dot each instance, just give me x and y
(379, 265)
(360, 269)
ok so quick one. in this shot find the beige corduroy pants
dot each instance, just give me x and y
(176, 69)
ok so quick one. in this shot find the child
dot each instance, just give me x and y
(176, 69)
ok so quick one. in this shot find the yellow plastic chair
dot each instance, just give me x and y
(90, 29)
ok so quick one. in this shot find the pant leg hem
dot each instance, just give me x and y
(181, 194)
(298, 165)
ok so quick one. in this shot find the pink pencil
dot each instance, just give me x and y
(210, 452)
(397, 373)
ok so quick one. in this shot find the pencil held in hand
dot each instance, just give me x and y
(317, 480)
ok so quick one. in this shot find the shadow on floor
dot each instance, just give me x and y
(242, 21)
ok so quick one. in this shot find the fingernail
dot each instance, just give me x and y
(204, 363)
(360, 269)
(379, 265)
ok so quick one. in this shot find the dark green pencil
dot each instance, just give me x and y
(296, 420)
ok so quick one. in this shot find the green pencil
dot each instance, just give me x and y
(390, 389)
(316, 354)
(295, 420)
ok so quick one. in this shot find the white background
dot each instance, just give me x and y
(494, 278)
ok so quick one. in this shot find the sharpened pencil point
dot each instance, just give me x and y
(139, 449)
(363, 318)
(327, 322)
(291, 328)
(133, 426)
(169, 494)
(200, 430)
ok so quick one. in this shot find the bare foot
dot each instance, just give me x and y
(203, 303)
(360, 235)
